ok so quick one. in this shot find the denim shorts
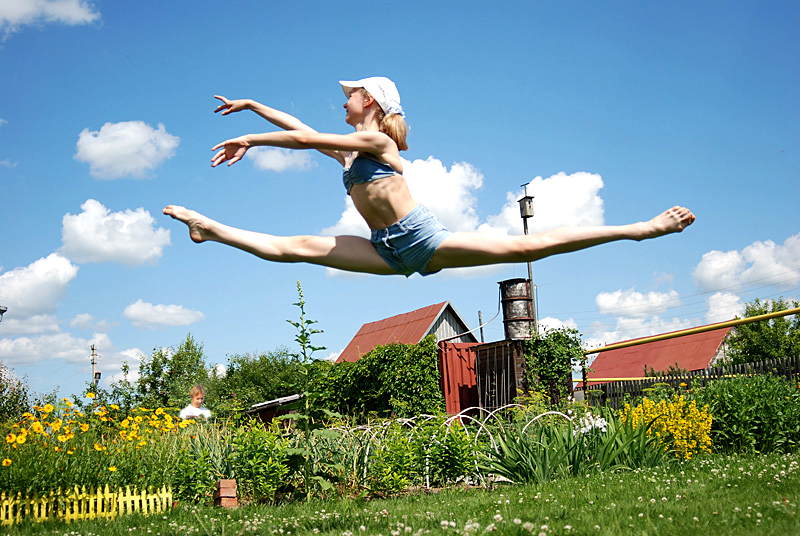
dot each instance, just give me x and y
(408, 245)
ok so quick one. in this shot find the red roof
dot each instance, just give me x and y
(407, 328)
(690, 352)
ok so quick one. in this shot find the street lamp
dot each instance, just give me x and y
(3, 309)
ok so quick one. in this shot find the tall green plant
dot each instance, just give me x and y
(311, 482)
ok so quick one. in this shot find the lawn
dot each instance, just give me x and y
(714, 495)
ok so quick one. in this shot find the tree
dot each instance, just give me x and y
(166, 376)
(776, 338)
(14, 395)
(250, 378)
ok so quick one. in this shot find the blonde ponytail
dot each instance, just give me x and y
(394, 126)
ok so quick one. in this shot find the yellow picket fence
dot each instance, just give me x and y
(80, 504)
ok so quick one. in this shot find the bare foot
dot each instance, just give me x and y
(200, 227)
(670, 221)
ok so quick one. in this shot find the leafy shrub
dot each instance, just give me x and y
(549, 360)
(676, 423)
(193, 475)
(395, 461)
(752, 414)
(259, 461)
(399, 380)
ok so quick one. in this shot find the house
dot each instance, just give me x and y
(697, 351)
(441, 320)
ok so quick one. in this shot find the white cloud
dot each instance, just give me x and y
(279, 159)
(97, 235)
(17, 13)
(8, 163)
(763, 262)
(550, 323)
(60, 346)
(558, 200)
(36, 289)
(86, 321)
(32, 325)
(333, 356)
(723, 306)
(636, 304)
(149, 316)
(127, 149)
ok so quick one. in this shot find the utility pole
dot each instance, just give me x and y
(95, 373)
(526, 211)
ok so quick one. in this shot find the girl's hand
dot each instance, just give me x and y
(231, 151)
(230, 106)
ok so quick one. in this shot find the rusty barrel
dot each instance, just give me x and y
(517, 302)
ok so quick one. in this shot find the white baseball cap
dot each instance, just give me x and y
(382, 90)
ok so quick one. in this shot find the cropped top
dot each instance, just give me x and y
(364, 169)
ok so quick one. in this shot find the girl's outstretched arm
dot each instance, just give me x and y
(374, 143)
(276, 117)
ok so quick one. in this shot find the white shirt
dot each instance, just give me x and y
(190, 412)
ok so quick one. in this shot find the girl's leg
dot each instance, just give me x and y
(475, 249)
(351, 253)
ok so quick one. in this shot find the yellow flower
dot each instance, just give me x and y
(21, 439)
(37, 427)
(6, 462)
(90, 395)
(63, 438)
(57, 449)
(84, 427)
(114, 407)
(125, 423)
(98, 447)
(55, 425)
(138, 418)
(70, 452)
(48, 408)
(112, 468)
(10, 438)
(160, 411)
(143, 442)
(28, 416)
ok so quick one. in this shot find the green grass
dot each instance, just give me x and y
(747, 495)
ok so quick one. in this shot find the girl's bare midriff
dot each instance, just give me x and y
(383, 202)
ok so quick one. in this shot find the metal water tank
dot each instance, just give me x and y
(517, 302)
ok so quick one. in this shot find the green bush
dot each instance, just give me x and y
(550, 357)
(259, 461)
(400, 380)
(752, 414)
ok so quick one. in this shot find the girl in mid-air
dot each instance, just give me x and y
(406, 238)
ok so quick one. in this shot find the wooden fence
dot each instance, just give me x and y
(78, 504)
(614, 393)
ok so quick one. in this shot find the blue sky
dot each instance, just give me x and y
(612, 111)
